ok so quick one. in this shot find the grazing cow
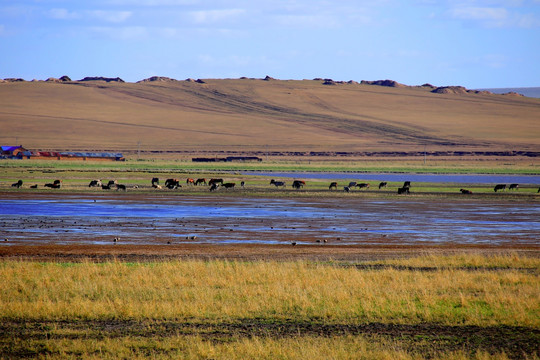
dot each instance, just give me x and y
(215, 181)
(95, 183)
(403, 190)
(190, 181)
(112, 182)
(333, 185)
(214, 187)
(18, 184)
(120, 187)
(465, 191)
(513, 187)
(172, 184)
(382, 184)
(277, 183)
(200, 181)
(242, 184)
(346, 188)
(362, 185)
(499, 187)
(57, 182)
(352, 184)
(297, 184)
(407, 184)
(229, 185)
(105, 187)
(155, 181)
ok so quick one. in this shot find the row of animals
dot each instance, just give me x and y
(215, 183)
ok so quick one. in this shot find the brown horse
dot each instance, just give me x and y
(200, 181)
(190, 181)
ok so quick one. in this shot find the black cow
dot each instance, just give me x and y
(333, 185)
(214, 187)
(53, 185)
(513, 187)
(362, 185)
(120, 187)
(229, 185)
(499, 187)
(18, 184)
(352, 184)
(155, 181)
(277, 183)
(346, 188)
(465, 191)
(112, 182)
(382, 184)
(95, 183)
(172, 184)
(297, 184)
(403, 190)
(407, 184)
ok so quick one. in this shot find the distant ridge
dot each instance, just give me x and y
(533, 92)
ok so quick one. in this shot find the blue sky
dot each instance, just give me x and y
(473, 43)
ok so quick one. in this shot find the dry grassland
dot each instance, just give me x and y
(460, 307)
(253, 115)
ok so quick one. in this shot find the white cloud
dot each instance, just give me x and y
(213, 16)
(63, 14)
(494, 16)
(121, 33)
(110, 16)
(479, 13)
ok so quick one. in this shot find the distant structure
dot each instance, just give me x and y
(226, 159)
(19, 152)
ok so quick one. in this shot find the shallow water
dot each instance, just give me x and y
(432, 178)
(205, 220)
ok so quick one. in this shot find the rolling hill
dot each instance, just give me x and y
(246, 115)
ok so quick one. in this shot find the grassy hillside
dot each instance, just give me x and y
(251, 114)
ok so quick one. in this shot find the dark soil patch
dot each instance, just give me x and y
(427, 339)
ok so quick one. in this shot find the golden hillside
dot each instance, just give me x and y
(253, 114)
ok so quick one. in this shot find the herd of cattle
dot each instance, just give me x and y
(215, 184)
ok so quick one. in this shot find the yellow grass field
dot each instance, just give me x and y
(246, 115)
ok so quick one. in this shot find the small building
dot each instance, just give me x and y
(13, 152)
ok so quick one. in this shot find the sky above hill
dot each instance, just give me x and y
(473, 43)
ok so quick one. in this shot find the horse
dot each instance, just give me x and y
(277, 183)
(382, 184)
(200, 181)
(95, 183)
(333, 185)
(190, 181)
(499, 187)
(465, 191)
(362, 185)
(18, 184)
(215, 181)
(297, 184)
(403, 190)
(513, 187)
(229, 185)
